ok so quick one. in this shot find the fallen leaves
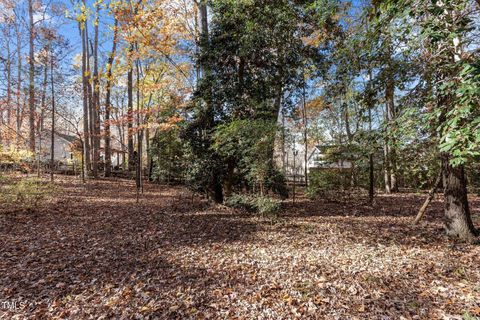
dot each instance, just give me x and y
(95, 253)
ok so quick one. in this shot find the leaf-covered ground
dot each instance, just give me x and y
(94, 253)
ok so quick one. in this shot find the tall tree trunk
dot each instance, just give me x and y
(91, 106)
(19, 111)
(390, 118)
(9, 86)
(458, 222)
(215, 185)
(41, 119)
(371, 169)
(131, 156)
(305, 130)
(386, 166)
(96, 96)
(86, 115)
(111, 60)
(52, 141)
(138, 175)
(31, 86)
(284, 154)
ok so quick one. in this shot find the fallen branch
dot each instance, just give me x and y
(429, 199)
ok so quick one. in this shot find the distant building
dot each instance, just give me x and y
(63, 146)
(326, 157)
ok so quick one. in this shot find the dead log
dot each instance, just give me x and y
(429, 199)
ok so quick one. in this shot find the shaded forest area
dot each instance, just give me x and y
(244, 159)
(97, 253)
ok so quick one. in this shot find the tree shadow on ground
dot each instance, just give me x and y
(99, 236)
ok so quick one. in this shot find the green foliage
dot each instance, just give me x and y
(167, 152)
(16, 159)
(26, 193)
(461, 129)
(250, 144)
(265, 206)
(326, 181)
(240, 201)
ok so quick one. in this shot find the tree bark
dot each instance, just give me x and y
(96, 97)
(458, 222)
(31, 86)
(9, 86)
(41, 119)
(86, 129)
(52, 147)
(131, 156)
(111, 60)
(305, 131)
(390, 117)
(215, 185)
(371, 168)
(19, 111)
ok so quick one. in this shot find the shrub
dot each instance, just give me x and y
(321, 182)
(27, 193)
(240, 201)
(265, 206)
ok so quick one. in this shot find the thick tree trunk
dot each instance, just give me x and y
(458, 222)
(31, 86)
(228, 184)
(111, 60)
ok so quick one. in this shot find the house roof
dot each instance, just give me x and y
(64, 136)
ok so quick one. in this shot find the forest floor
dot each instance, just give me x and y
(95, 253)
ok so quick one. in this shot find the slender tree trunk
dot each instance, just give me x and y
(42, 104)
(305, 130)
(86, 115)
(458, 221)
(9, 86)
(19, 110)
(371, 169)
(386, 166)
(96, 96)
(131, 156)
(138, 175)
(91, 106)
(390, 117)
(31, 86)
(52, 147)
(111, 60)
(429, 198)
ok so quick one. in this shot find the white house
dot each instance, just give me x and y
(63, 146)
(318, 159)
